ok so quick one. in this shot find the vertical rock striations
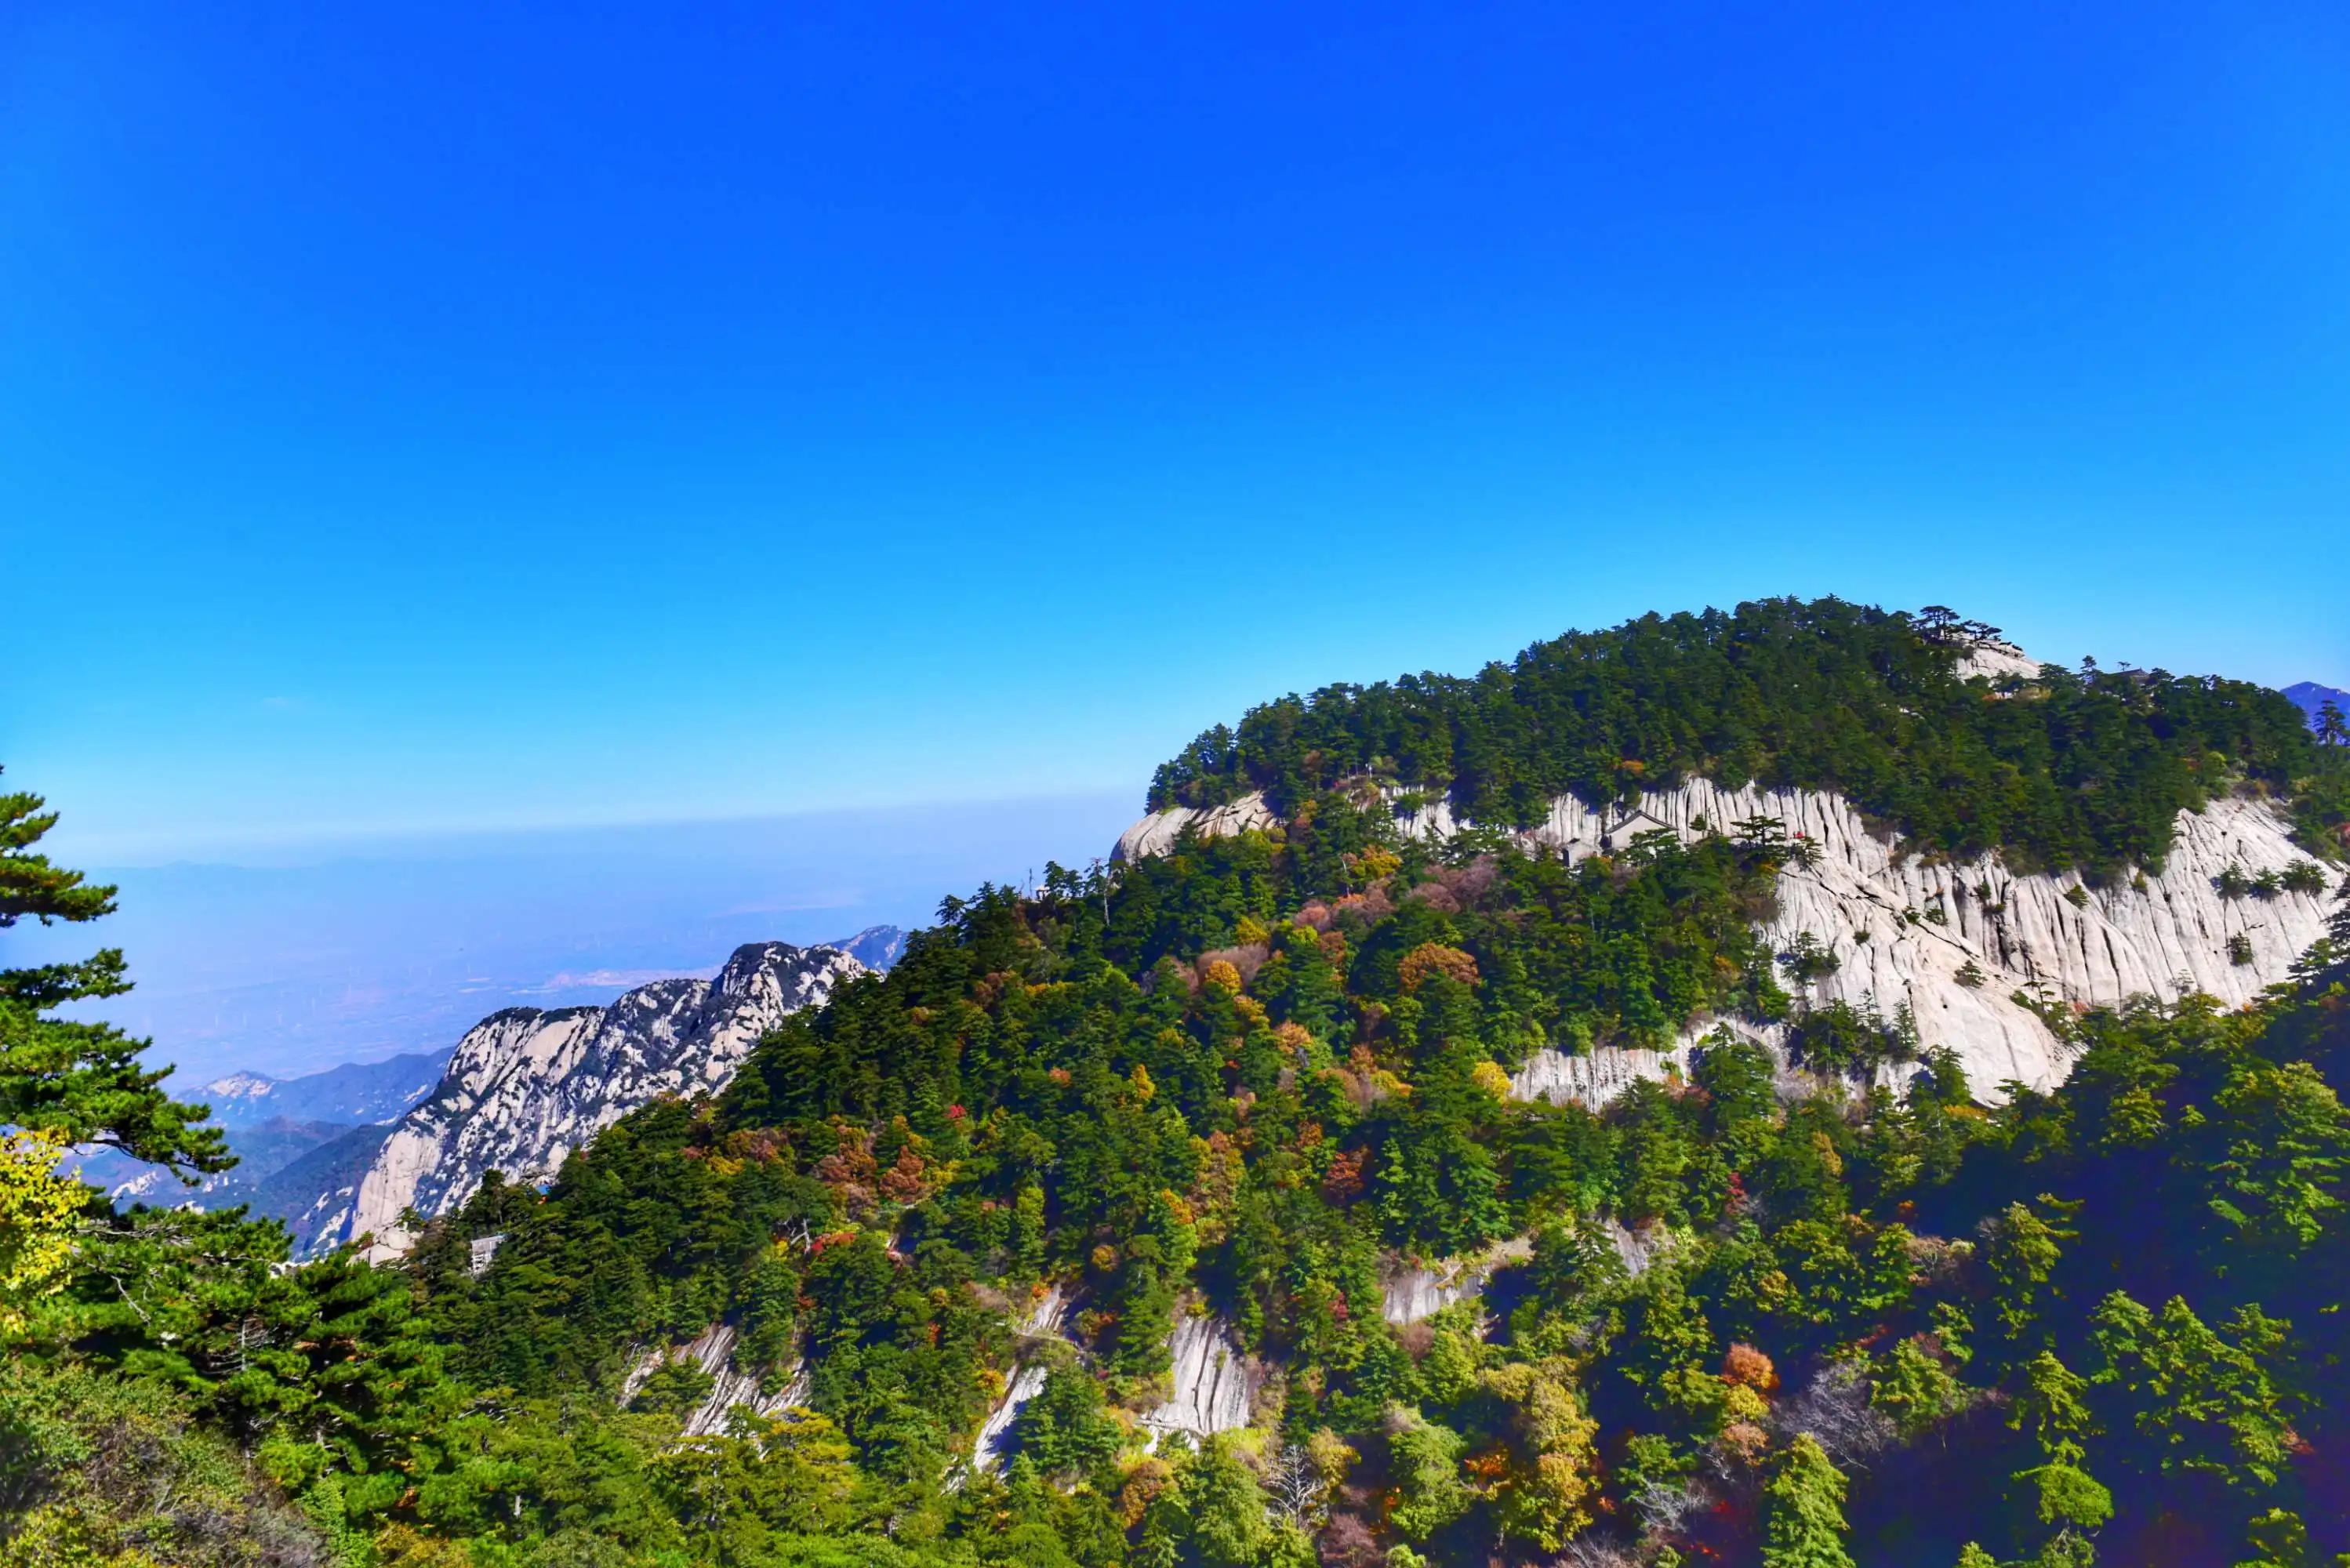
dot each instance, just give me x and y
(1955, 942)
(1215, 1391)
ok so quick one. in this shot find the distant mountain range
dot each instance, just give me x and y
(874, 947)
(2309, 696)
(351, 1093)
(271, 1123)
(299, 1141)
(261, 1148)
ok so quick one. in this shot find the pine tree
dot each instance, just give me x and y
(2329, 724)
(82, 1083)
(2054, 1403)
(1804, 1503)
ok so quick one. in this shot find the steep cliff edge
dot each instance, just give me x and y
(1953, 942)
(526, 1087)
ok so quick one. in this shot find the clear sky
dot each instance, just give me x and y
(417, 418)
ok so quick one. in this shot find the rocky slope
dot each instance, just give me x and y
(1047, 1321)
(1157, 833)
(713, 1354)
(1956, 943)
(1215, 1387)
(313, 1192)
(874, 947)
(526, 1087)
(1412, 1291)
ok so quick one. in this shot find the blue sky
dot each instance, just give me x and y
(328, 952)
(455, 417)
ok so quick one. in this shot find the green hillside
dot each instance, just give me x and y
(1251, 1079)
(2084, 768)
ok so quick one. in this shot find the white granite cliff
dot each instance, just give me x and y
(1047, 1321)
(712, 1353)
(1157, 833)
(526, 1087)
(1215, 1387)
(1903, 931)
(1411, 1292)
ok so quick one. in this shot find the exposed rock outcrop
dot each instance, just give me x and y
(1157, 833)
(1953, 942)
(313, 1194)
(993, 1448)
(1047, 1319)
(526, 1087)
(1636, 1250)
(713, 1351)
(1995, 660)
(1214, 1389)
(1904, 932)
(874, 947)
(1594, 1079)
(1048, 1314)
(1409, 1295)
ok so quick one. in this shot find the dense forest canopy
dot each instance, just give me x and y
(2088, 768)
(1759, 1312)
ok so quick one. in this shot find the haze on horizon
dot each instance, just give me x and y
(429, 430)
(355, 951)
(453, 421)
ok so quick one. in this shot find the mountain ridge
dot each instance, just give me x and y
(1690, 1090)
(303, 1143)
(527, 1086)
(352, 1092)
(1903, 931)
(1544, 1155)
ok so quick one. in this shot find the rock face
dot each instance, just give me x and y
(1591, 1080)
(1408, 1294)
(526, 1087)
(1214, 1391)
(991, 1450)
(1904, 932)
(1157, 833)
(313, 1194)
(1995, 660)
(874, 947)
(1047, 1319)
(713, 1351)
(1598, 1078)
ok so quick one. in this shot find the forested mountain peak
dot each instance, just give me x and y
(1926, 721)
(1292, 1189)
(1971, 936)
